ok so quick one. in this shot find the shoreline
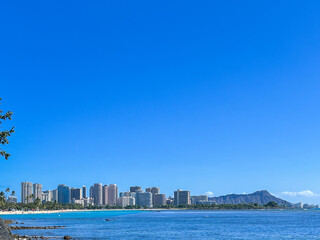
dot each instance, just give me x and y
(6, 213)
(74, 210)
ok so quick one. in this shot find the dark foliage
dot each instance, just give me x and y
(4, 134)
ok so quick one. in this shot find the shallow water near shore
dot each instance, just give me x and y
(185, 224)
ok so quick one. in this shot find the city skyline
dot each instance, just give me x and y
(99, 195)
(103, 195)
(100, 200)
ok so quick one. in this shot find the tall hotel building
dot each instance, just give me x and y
(181, 197)
(55, 197)
(96, 193)
(154, 191)
(159, 200)
(37, 191)
(26, 192)
(112, 194)
(126, 201)
(64, 195)
(84, 191)
(76, 193)
(144, 199)
(47, 196)
(105, 195)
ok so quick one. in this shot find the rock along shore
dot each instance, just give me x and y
(5, 233)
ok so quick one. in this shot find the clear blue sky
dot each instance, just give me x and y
(204, 96)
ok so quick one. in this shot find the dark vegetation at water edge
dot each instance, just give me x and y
(4, 134)
(226, 206)
(58, 206)
(37, 205)
(269, 205)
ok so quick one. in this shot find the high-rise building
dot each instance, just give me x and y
(133, 194)
(135, 189)
(154, 191)
(181, 197)
(76, 193)
(47, 196)
(159, 200)
(64, 195)
(144, 199)
(126, 201)
(37, 191)
(170, 201)
(96, 194)
(84, 191)
(55, 195)
(26, 192)
(125, 194)
(105, 195)
(112, 194)
(198, 199)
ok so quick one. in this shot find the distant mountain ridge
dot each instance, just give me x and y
(260, 197)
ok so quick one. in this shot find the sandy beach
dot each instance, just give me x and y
(75, 210)
(36, 212)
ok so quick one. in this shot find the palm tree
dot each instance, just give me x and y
(37, 202)
(6, 133)
(7, 190)
(29, 197)
(2, 199)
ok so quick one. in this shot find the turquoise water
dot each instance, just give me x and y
(177, 224)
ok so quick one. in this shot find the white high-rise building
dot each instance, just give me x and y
(159, 200)
(47, 196)
(154, 191)
(144, 199)
(126, 201)
(37, 191)
(105, 195)
(96, 193)
(112, 194)
(181, 197)
(26, 192)
(55, 195)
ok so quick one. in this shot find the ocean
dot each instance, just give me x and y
(184, 224)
